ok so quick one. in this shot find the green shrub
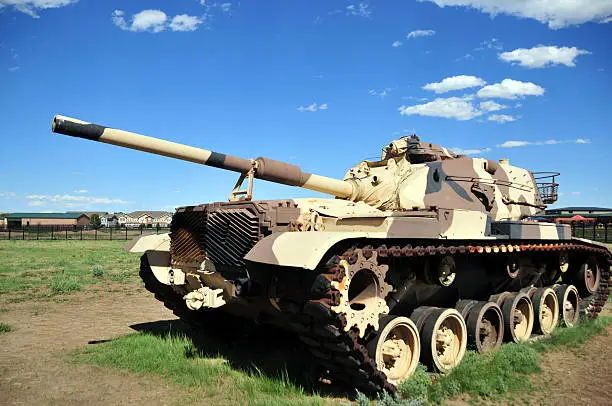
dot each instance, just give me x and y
(64, 284)
(417, 386)
(5, 328)
(97, 272)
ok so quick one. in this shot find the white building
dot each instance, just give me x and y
(144, 218)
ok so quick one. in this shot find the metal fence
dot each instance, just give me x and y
(592, 231)
(77, 233)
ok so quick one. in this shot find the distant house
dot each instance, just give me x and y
(2, 221)
(580, 214)
(15, 220)
(145, 218)
(109, 220)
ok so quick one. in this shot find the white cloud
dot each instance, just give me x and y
(606, 20)
(37, 203)
(575, 193)
(501, 118)
(543, 56)
(360, 10)
(149, 20)
(396, 44)
(490, 105)
(460, 151)
(14, 68)
(73, 199)
(31, 7)
(155, 21)
(420, 33)
(514, 144)
(493, 43)
(510, 89)
(80, 191)
(184, 22)
(382, 94)
(465, 57)
(459, 108)
(8, 194)
(313, 107)
(455, 83)
(555, 13)
(226, 7)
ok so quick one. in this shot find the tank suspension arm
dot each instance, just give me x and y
(265, 168)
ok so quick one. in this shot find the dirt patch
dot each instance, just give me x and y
(577, 376)
(34, 367)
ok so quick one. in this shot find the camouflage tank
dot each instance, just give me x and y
(422, 254)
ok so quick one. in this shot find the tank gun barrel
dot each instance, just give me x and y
(266, 169)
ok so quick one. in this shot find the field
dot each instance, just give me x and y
(76, 327)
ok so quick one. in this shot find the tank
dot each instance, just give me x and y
(417, 256)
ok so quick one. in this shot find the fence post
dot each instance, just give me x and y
(81, 233)
(96, 234)
(126, 234)
(157, 229)
(22, 233)
(52, 227)
(66, 234)
(37, 231)
(594, 230)
(605, 232)
(10, 233)
(111, 234)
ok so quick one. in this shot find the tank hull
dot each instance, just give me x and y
(299, 265)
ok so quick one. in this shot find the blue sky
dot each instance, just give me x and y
(320, 84)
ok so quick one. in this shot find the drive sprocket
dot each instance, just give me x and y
(362, 291)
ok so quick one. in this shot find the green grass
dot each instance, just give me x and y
(62, 284)
(175, 358)
(5, 328)
(35, 266)
(573, 337)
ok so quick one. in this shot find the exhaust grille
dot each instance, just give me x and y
(185, 232)
(226, 232)
(230, 234)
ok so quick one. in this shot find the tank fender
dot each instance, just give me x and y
(157, 249)
(300, 250)
(154, 242)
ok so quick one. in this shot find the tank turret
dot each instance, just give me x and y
(411, 174)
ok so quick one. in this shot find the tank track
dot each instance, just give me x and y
(343, 353)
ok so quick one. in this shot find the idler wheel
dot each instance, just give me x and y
(443, 337)
(517, 310)
(546, 309)
(588, 277)
(569, 304)
(485, 325)
(396, 348)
